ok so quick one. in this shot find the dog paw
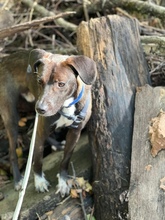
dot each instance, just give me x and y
(41, 184)
(18, 185)
(63, 186)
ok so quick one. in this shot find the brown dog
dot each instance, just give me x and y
(61, 86)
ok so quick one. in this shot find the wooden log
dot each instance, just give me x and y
(146, 198)
(114, 43)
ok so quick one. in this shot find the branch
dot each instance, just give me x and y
(44, 12)
(153, 39)
(129, 5)
(6, 32)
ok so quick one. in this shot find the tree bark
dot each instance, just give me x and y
(114, 43)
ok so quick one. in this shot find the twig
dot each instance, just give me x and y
(91, 215)
(64, 38)
(85, 3)
(73, 170)
(153, 39)
(82, 205)
(79, 192)
(63, 201)
(5, 4)
(158, 67)
(44, 12)
(38, 216)
(27, 25)
(30, 19)
(142, 7)
(27, 171)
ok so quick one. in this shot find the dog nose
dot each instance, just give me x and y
(41, 111)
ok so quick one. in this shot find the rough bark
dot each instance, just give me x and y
(114, 43)
(146, 198)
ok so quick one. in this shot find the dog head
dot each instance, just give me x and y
(52, 78)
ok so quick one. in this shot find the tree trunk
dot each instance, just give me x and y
(114, 43)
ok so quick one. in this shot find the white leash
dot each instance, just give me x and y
(27, 172)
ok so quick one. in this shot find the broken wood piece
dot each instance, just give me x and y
(146, 198)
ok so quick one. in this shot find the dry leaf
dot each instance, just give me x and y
(24, 119)
(81, 181)
(19, 152)
(84, 184)
(21, 123)
(74, 193)
(88, 187)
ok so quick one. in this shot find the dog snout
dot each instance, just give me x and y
(41, 108)
(40, 111)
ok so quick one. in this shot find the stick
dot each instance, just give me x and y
(27, 172)
(44, 12)
(82, 205)
(25, 26)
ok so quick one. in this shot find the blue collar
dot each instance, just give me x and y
(77, 119)
(78, 98)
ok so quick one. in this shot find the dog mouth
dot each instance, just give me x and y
(45, 110)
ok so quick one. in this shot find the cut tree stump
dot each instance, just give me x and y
(114, 43)
(39, 203)
(146, 198)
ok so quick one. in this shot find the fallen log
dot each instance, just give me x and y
(114, 43)
(147, 184)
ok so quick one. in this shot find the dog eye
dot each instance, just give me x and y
(40, 81)
(61, 84)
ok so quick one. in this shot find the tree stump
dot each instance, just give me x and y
(114, 43)
(147, 185)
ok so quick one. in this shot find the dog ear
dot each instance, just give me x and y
(33, 60)
(84, 67)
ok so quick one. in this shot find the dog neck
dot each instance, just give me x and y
(69, 106)
(76, 100)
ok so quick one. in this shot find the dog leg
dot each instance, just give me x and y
(72, 138)
(41, 184)
(10, 119)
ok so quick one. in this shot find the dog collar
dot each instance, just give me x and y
(78, 98)
(77, 119)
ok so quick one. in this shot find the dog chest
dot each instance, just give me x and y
(64, 121)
